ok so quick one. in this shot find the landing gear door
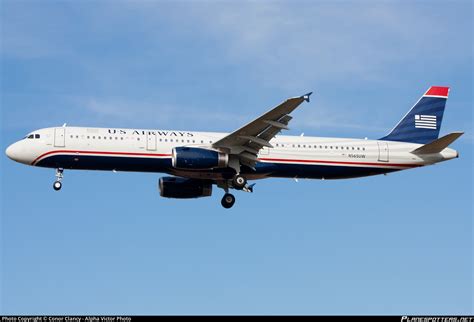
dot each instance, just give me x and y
(150, 141)
(59, 136)
(383, 151)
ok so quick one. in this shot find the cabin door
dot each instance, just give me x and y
(383, 151)
(59, 136)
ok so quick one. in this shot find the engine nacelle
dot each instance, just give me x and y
(182, 188)
(198, 158)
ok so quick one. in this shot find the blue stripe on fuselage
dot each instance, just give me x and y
(163, 165)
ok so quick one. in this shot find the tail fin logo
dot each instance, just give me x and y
(425, 122)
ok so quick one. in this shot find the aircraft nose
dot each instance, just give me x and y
(19, 152)
(13, 152)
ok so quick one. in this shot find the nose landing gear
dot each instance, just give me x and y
(57, 185)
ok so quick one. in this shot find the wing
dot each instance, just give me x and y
(247, 141)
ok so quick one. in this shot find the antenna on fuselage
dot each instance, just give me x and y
(64, 125)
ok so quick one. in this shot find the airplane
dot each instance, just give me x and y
(198, 160)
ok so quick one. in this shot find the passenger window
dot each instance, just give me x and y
(363, 149)
(331, 146)
(77, 136)
(138, 139)
(336, 147)
(358, 148)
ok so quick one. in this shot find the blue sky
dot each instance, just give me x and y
(107, 243)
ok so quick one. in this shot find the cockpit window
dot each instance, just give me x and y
(30, 136)
(37, 136)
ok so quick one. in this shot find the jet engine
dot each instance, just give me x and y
(198, 159)
(182, 188)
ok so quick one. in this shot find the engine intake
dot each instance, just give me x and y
(198, 158)
(182, 188)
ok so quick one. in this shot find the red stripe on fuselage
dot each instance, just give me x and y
(101, 152)
(261, 159)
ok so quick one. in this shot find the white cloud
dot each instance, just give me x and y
(282, 46)
(292, 44)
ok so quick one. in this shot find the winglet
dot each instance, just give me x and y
(306, 96)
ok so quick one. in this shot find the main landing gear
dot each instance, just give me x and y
(228, 200)
(57, 185)
(238, 182)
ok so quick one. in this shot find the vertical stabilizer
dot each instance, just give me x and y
(423, 121)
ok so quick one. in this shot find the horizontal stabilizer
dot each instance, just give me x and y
(438, 145)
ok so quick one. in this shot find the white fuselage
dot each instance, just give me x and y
(151, 151)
